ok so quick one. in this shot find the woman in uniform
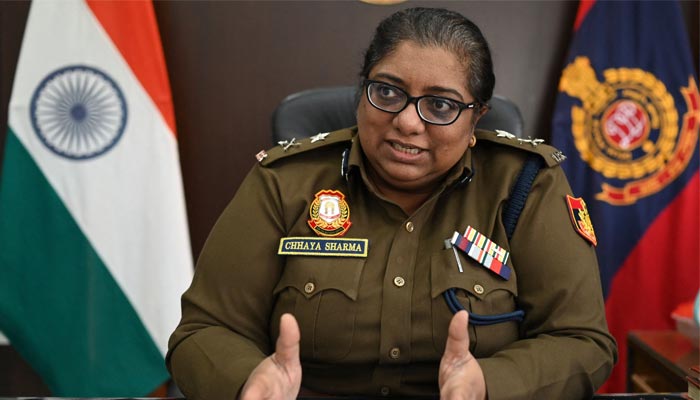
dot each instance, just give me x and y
(410, 255)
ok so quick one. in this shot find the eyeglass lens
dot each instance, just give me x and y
(432, 109)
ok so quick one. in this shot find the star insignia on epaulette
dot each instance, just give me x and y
(504, 134)
(319, 137)
(286, 144)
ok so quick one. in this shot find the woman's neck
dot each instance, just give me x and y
(409, 200)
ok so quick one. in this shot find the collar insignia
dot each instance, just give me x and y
(329, 214)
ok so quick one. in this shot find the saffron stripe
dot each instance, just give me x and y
(150, 70)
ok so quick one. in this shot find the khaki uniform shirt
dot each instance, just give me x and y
(377, 325)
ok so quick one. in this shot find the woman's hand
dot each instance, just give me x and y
(278, 377)
(460, 374)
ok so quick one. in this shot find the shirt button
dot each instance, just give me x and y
(385, 391)
(399, 281)
(409, 226)
(395, 353)
(309, 287)
(478, 289)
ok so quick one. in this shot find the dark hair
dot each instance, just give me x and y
(442, 28)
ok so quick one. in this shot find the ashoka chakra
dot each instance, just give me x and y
(78, 112)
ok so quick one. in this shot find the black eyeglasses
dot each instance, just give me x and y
(434, 110)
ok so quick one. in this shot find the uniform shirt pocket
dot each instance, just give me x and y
(480, 291)
(322, 293)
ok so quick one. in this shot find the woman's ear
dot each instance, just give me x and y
(480, 112)
(483, 109)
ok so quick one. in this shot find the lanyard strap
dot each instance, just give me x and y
(476, 319)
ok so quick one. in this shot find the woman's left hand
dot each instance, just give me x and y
(460, 377)
(278, 377)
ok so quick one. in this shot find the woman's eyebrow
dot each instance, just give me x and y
(440, 89)
(393, 78)
(433, 89)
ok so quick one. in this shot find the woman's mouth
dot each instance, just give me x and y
(405, 149)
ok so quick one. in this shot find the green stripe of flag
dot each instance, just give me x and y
(59, 305)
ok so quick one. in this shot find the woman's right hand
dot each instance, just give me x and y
(278, 377)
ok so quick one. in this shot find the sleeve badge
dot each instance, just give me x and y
(581, 219)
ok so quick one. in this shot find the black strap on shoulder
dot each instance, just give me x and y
(518, 194)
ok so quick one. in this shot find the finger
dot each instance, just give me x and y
(457, 345)
(287, 347)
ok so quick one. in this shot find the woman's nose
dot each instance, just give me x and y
(408, 121)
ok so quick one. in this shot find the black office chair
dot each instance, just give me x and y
(313, 111)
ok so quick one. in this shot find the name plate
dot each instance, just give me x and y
(324, 247)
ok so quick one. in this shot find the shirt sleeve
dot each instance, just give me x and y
(566, 350)
(224, 331)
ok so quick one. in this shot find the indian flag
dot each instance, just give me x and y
(94, 245)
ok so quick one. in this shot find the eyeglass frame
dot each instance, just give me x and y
(411, 99)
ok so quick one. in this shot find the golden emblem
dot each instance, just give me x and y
(330, 214)
(614, 130)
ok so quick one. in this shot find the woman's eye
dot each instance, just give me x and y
(387, 91)
(442, 105)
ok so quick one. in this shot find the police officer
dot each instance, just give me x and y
(346, 261)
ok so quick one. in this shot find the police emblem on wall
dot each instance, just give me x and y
(78, 112)
(628, 128)
(329, 213)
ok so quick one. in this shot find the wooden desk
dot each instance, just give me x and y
(658, 361)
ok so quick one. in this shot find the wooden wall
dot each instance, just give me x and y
(231, 63)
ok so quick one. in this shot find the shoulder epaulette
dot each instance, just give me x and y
(287, 148)
(550, 155)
